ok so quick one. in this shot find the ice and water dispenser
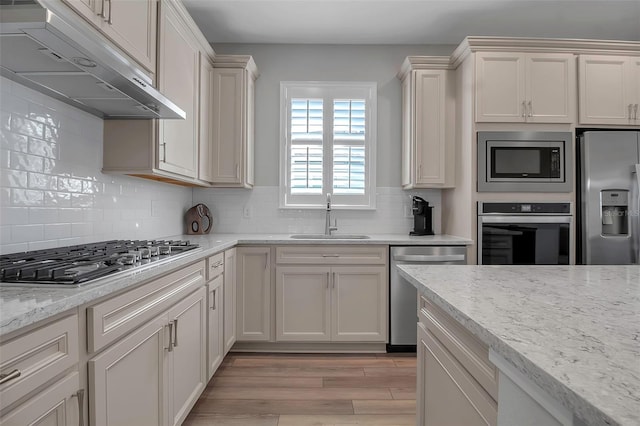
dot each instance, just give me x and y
(615, 212)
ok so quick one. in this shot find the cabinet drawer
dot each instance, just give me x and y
(468, 350)
(215, 266)
(335, 255)
(450, 395)
(38, 356)
(119, 315)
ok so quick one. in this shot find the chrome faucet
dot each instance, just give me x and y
(327, 225)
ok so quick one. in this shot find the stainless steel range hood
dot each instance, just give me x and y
(59, 54)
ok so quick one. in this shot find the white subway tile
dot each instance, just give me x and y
(14, 215)
(42, 245)
(81, 229)
(26, 233)
(30, 163)
(13, 248)
(70, 215)
(13, 141)
(43, 148)
(42, 181)
(57, 231)
(26, 197)
(43, 215)
(13, 178)
(25, 126)
(59, 199)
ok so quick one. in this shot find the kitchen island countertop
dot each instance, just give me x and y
(21, 306)
(573, 330)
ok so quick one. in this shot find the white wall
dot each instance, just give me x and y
(276, 63)
(52, 192)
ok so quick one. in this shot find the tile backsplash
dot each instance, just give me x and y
(52, 191)
(256, 211)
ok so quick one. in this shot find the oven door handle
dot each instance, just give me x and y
(430, 258)
(635, 206)
(524, 219)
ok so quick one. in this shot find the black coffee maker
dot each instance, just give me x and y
(422, 220)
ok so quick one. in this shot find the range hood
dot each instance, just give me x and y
(60, 55)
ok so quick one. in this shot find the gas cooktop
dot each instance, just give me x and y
(81, 264)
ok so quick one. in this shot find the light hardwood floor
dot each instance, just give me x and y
(309, 390)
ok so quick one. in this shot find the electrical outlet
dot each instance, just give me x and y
(408, 213)
(246, 212)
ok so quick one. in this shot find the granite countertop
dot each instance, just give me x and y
(573, 330)
(21, 306)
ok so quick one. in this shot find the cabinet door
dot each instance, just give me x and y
(249, 127)
(230, 297)
(359, 303)
(132, 25)
(187, 360)
(634, 72)
(446, 393)
(254, 294)
(178, 80)
(227, 138)
(430, 131)
(57, 405)
(303, 304)
(215, 329)
(127, 381)
(407, 130)
(551, 93)
(604, 90)
(205, 156)
(500, 87)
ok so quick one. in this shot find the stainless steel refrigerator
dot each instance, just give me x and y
(608, 197)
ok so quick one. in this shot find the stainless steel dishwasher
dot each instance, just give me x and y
(403, 301)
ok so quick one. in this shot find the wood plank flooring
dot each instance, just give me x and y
(309, 390)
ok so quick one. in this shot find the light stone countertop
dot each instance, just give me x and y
(22, 305)
(573, 330)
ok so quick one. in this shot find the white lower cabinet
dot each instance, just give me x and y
(230, 296)
(254, 287)
(340, 303)
(303, 303)
(154, 375)
(215, 336)
(456, 382)
(58, 405)
(331, 294)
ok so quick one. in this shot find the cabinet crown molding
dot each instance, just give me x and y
(424, 63)
(237, 61)
(557, 45)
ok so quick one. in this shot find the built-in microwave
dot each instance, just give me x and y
(524, 162)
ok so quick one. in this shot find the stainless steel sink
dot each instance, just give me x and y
(329, 237)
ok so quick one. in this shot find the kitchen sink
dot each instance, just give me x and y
(330, 237)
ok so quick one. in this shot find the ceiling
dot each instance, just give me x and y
(411, 21)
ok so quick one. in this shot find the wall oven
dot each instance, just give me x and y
(525, 234)
(524, 162)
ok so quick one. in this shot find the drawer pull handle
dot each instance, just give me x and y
(175, 333)
(170, 348)
(80, 396)
(330, 255)
(214, 299)
(4, 378)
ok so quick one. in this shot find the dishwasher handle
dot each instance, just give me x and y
(430, 258)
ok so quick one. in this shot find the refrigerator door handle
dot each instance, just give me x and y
(634, 214)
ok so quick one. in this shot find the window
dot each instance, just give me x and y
(329, 144)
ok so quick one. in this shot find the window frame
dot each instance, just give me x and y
(328, 91)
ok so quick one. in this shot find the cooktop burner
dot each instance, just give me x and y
(76, 265)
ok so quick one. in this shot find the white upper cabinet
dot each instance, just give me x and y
(525, 87)
(131, 25)
(232, 121)
(609, 89)
(428, 144)
(178, 80)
